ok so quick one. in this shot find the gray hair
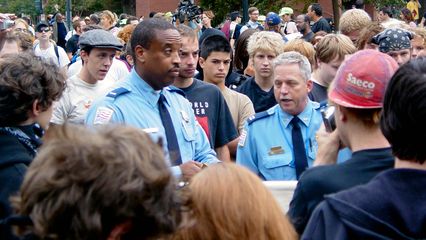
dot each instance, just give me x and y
(294, 57)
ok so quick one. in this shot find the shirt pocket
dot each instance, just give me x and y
(278, 167)
(188, 131)
(312, 151)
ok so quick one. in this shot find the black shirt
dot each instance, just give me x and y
(308, 37)
(211, 112)
(72, 44)
(262, 100)
(318, 93)
(321, 25)
(319, 181)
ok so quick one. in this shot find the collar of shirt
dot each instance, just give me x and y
(253, 24)
(304, 116)
(143, 88)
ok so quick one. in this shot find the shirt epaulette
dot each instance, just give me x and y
(117, 92)
(323, 104)
(176, 90)
(318, 106)
(258, 116)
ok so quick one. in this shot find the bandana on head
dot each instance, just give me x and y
(393, 39)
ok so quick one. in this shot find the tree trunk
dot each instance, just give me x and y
(336, 14)
(129, 6)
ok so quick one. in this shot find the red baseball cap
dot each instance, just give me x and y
(361, 80)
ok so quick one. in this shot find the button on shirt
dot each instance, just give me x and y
(266, 145)
(138, 107)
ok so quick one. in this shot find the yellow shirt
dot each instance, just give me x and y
(413, 6)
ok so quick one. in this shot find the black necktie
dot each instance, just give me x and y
(172, 143)
(300, 160)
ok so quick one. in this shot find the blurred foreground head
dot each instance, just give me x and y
(227, 201)
(109, 183)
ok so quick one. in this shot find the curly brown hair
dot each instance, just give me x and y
(86, 182)
(25, 78)
(126, 33)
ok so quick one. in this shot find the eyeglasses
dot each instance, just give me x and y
(45, 30)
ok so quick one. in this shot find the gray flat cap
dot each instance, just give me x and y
(99, 38)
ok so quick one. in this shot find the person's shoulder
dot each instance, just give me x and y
(318, 172)
(72, 82)
(247, 84)
(175, 92)
(260, 117)
(240, 96)
(12, 151)
(117, 93)
(206, 85)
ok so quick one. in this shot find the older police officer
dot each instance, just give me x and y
(146, 100)
(279, 144)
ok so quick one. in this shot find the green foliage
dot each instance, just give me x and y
(18, 6)
(79, 7)
(222, 7)
(386, 3)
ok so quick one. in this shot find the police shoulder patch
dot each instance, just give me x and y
(242, 138)
(176, 90)
(103, 115)
(117, 92)
(258, 116)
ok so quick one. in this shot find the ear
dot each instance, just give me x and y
(343, 114)
(202, 62)
(309, 85)
(120, 230)
(140, 54)
(84, 56)
(36, 109)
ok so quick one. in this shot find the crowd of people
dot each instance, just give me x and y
(128, 128)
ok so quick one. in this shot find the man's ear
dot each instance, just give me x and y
(140, 54)
(309, 84)
(343, 113)
(202, 62)
(119, 230)
(84, 55)
(36, 109)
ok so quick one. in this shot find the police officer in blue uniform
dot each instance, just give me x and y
(279, 144)
(145, 100)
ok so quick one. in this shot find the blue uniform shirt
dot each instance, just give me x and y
(266, 147)
(135, 102)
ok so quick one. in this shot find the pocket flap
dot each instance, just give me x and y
(277, 160)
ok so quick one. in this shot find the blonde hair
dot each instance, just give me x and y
(265, 41)
(367, 33)
(419, 32)
(209, 14)
(332, 46)
(227, 201)
(353, 20)
(20, 20)
(110, 16)
(302, 47)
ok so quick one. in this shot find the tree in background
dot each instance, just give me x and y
(79, 7)
(222, 7)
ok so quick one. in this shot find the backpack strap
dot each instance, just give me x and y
(57, 54)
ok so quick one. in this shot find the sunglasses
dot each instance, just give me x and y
(45, 30)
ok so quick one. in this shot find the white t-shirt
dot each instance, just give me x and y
(291, 27)
(117, 72)
(76, 100)
(49, 54)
